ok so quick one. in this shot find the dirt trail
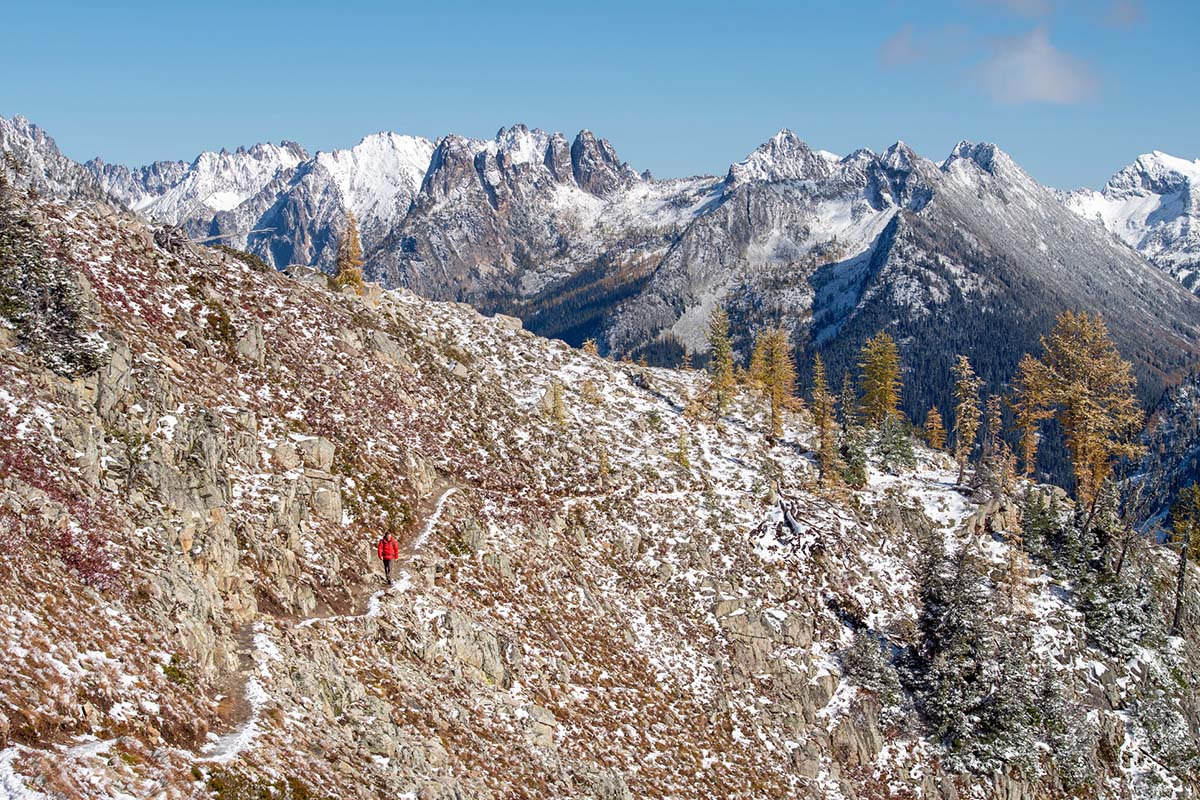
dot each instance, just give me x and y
(244, 694)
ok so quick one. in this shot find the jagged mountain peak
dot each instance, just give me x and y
(1156, 172)
(1153, 205)
(984, 155)
(45, 169)
(899, 157)
(783, 157)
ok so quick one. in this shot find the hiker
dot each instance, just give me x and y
(389, 551)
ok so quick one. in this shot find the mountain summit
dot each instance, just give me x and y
(1153, 205)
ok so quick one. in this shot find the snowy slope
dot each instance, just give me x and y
(620, 598)
(1153, 205)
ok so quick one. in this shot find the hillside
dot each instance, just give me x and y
(601, 596)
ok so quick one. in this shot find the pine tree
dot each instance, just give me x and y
(590, 347)
(40, 295)
(895, 447)
(966, 413)
(993, 422)
(348, 271)
(854, 454)
(1185, 534)
(824, 415)
(1084, 383)
(953, 658)
(847, 406)
(935, 429)
(773, 371)
(1066, 728)
(722, 384)
(879, 362)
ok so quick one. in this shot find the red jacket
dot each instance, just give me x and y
(389, 549)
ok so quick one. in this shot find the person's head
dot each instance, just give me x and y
(387, 534)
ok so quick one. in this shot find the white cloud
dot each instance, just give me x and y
(902, 48)
(1029, 69)
(910, 45)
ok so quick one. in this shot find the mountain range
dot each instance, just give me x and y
(968, 254)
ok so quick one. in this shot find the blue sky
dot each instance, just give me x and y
(1073, 89)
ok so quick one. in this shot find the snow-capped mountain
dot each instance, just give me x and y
(1153, 205)
(969, 254)
(276, 200)
(32, 160)
(214, 182)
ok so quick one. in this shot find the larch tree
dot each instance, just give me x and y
(1185, 534)
(966, 413)
(824, 408)
(722, 381)
(1030, 413)
(935, 429)
(773, 371)
(1082, 381)
(348, 271)
(880, 379)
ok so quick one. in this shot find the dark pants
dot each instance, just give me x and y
(387, 569)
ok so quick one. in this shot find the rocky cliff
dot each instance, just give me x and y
(603, 593)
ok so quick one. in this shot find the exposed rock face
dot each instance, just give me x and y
(189, 582)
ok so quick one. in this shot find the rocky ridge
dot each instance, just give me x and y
(619, 598)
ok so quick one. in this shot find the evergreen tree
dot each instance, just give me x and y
(40, 294)
(1039, 524)
(1185, 534)
(854, 455)
(1066, 728)
(1084, 383)
(879, 362)
(722, 383)
(864, 664)
(955, 661)
(847, 405)
(993, 423)
(966, 413)
(997, 469)
(825, 416)
(773, 371)
(1005, 720)
(348, 271)
(935, 429)
(895, 446)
